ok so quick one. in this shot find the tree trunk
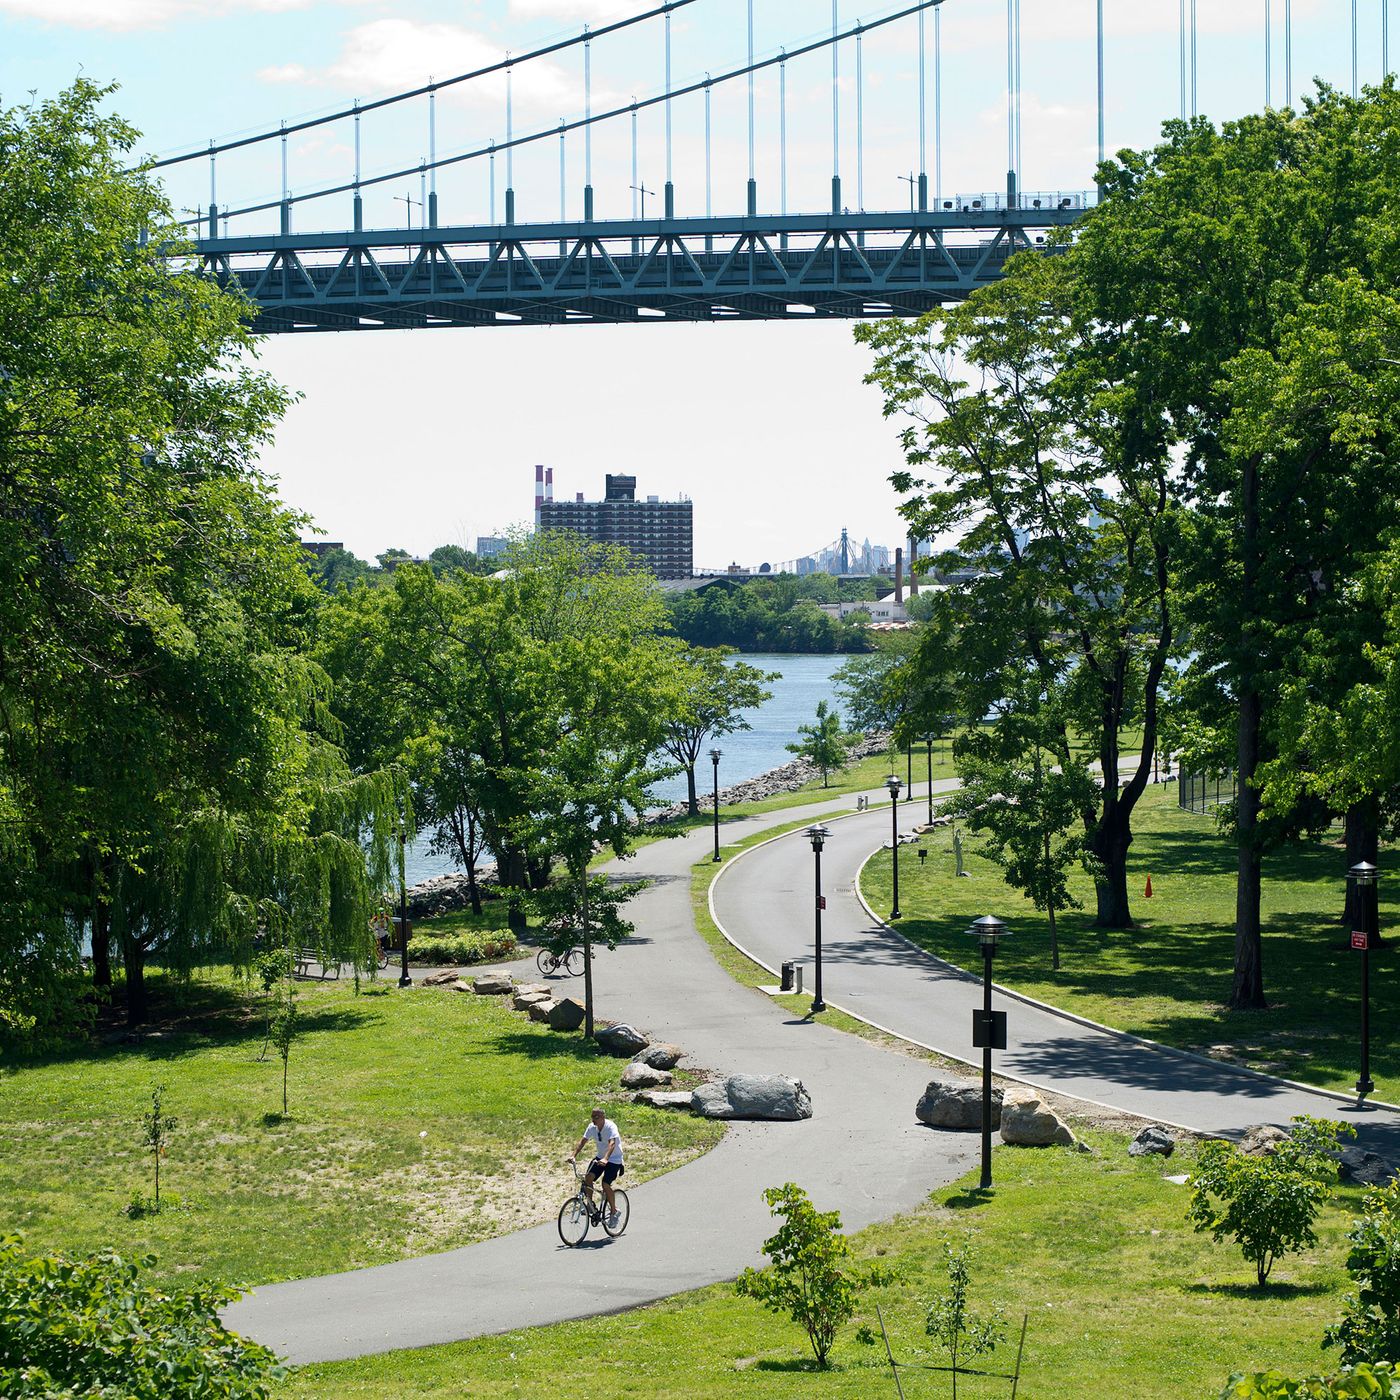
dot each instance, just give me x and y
(101, 930)
(587, 958)
(1109, 843)
(1363, 842)
(1247, 990)
(134, 961)
(1050, 905)
(691, 797)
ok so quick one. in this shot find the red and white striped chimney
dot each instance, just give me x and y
(549, 483)
(539, 493)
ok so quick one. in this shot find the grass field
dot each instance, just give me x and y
(1123, 1299)
(419, 1121)
(1169, 977)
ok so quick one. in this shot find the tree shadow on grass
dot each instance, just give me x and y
(797, 1365)
(554, 1045)
(969, 1199)
(1253, 1290)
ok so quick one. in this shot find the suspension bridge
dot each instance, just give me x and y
(762, 261)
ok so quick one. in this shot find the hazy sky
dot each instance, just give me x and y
(417, 438)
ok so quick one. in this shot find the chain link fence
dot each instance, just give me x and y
(1202, 792)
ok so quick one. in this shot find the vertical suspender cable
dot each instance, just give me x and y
(1018, 92)
(860, 122)
(1010, 102)
(1195, 106)
(1385, 38)
(670, 205)
(782, 132)
(752, 196)
(1353, 48)
(923, 117)
(563, 197)
(491, 185)
(1268, 55)
(286, 192)
(1099, 40)
(709, 168)
(422, 194)
(835, 110)
(213, 192)
(432, 158)
(358, 203)
(510, 147)
(1181, 59)
(588, 128)
(938, 103)
(1288, 52)
(634, 158)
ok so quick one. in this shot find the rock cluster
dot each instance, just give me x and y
(948, 1103)
(621, 1039)
(1152, 1141)
(445, 894)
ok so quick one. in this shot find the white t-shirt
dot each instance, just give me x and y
(601, 1138)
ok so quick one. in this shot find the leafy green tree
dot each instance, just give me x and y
(822, 742)
(72, 1327)
(339, 568)
(1266, 1203)
(714, 693)
(284, 1033)
(811, 1277)
(1370, 1326)
(1363, 1382)
(157, 1125)
(950, 1321)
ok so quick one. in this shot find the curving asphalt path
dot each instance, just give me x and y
(763, 900)
(861, 1153)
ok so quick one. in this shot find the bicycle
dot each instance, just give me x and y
(577, 1214)
(549, 963)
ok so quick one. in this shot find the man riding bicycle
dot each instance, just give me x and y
(607, 1159)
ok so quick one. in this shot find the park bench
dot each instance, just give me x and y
(308, 964)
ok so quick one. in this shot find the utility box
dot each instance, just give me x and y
(792, 978)
(988, 1030)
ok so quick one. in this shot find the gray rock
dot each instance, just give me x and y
(493, 984)
(525, 998)
(621, 1039)
(462, 985)
(947, 1103)
(565, 1014)
(537, 988)
(1358, 1167)
(444, 894)
(640, 1076)
(771, 1097)
(1026, 1122)
(539, 1010)
(439, 979)
(1155, 1141)
(1262, 1140)
(664, 1098)
(660, 1056)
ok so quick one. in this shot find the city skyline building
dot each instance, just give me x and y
(659, 533)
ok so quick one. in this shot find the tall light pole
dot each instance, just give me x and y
(817, 836)
(1363, 875)
(715, 756)
(988, 1030)
(928, 741)
(404, 979)
(892, 783)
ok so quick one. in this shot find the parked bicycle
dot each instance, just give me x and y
(549, 963)
(578, 1212)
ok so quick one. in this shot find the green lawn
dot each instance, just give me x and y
(419, 1121)
(1169, 977)
(1124, 1300)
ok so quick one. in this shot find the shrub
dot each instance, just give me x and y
(952, 1324)
(810, 1278)
(1373, 1383)
(458, 949)
(1266, 1204)
(89, 1328)
(1370, 1327)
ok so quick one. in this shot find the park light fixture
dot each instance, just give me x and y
(404, 979)
(988, 1029)
(817, 836)
(892, 783)
(928, 744)
(1364, 876)
(715, 756)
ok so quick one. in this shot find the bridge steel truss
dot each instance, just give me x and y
(701, 269)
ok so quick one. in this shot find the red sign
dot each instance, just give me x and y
(821, 901)
(1358, 939)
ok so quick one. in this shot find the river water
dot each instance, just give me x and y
(802, 681)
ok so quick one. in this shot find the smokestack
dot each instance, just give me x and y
(549, 483)
(913, 571)
(539, 493)
(898, 577)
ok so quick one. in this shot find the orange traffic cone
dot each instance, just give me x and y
(1147, 893)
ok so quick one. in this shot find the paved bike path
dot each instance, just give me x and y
(861, 1153)
(764, 901)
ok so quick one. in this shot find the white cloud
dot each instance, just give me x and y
(589, 11)
(284, 73)
(136, 14)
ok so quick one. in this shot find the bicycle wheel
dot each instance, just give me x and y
(573, 962)
(546, 962)
(573, 1221)
(623, 1209)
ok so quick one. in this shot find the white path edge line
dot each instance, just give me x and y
(899, 1035)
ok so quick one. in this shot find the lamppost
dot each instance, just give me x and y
(909, 764)
(817, 836)
(892, 783)
(1363, 876)
(404, 979)
(988, 1030)
(928, 741)
(715, 756)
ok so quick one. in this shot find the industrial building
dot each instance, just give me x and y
(659, 533)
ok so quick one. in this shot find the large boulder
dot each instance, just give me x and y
(1153, 1141)
(441, 978)
(640, 1076)
(1358, 1167)
(948, 1103)
(1262, 1140)
(761, 1096)
(1026, 1122)
(539, 1010)
(621, 1039)
(526, 997)
(565, 1014)
(660, 1056)
(493, 984)
(664, 1098)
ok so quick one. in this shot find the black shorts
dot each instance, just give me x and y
(609, 1171)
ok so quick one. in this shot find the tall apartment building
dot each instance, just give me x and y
(659, 533)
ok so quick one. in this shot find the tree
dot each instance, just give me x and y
(952, 1324)
(339, 568)
(714, 693)
(284, 1033)
(1266, 1203)
(822, 742)
(157, 1125)
(810, 1277)
(1370, 1327)
(1363, 1382)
